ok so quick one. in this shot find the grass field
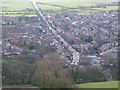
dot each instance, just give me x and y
(17, 14)
(48, 7)
(16, 5)
(64, 4)
(112, 84)
(13, 8)
(77, 4)
(73, 4)
(108, 8)
(24, 5)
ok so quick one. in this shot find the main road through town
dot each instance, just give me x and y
(54, 32)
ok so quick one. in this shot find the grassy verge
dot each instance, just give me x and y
(112, 84)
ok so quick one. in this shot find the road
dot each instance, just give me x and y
(54, 32)
(108, 51)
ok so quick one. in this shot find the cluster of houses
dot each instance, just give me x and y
(82, 32)
(87, 34)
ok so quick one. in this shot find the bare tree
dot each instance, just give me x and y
(51, 74)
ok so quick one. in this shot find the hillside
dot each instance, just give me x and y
(112, 84)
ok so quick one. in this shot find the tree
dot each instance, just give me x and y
(31, 47)
(51, 74)
(86, 74)
(89, 39)
(18, 73)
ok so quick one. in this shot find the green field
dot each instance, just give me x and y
(108, 8)
(64, 4)
(112, 84)
(8, 13)
(69, 4)
(25, 5)
(15, 5)
(46, 7)
(77, 4)
(73, 4)
(15, 8)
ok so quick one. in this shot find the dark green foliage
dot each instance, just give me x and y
(89, 39)
(31, 47)
(87, 75)
(18, 73)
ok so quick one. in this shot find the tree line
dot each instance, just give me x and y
(49, 73)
